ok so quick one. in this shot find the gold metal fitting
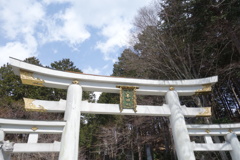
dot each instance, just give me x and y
(34, 128)
(75, 82)
(171, 88)
(208, 131)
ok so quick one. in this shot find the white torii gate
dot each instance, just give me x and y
(73, 106)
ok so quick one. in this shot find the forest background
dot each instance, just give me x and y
(172, 39)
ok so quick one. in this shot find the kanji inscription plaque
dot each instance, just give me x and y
(128, 98)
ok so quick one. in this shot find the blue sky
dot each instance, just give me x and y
(91, 33)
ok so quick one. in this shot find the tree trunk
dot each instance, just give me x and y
(139, 153)
(148, 151)
(235, 41)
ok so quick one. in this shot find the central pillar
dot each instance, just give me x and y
(181, 138)
(70, 135)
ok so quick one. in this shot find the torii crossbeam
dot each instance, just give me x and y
(75, 83)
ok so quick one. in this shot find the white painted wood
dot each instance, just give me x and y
(2, 135)
(142, 110)
(214, 126)
(216, 132)
(31, 122)
(181, 138)
(213, 129)
(1, 143)
(6, 149)
(2, 154)
(212, 147)
(60, 79)
(28, 129)
(113, 109)
(28, 126)
(193, 111)
(208, 139)
(70, 136)
(5, 155)
(49, 106)
(101, 108)
(33, 138)
(233, 140)
(36, 147)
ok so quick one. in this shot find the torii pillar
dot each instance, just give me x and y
(181, 138)
(70, 136)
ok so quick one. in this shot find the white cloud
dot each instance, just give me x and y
(112, 18)
(117, 37)
(55, 51)
(31, 43)
(16, 50)
(56, 1)
(20, 17)
(102, 71)
(90, 70)
(18, 21)
(105, 67)
(65, 26)
(25, 24)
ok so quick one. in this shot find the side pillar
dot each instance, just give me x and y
(70, 135)
(6, 147)
(233, 140)
(2, 157)
(181, 138)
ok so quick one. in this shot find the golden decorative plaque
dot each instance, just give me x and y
(28, 78)
(128, 98)
(205, 89)
(206, 113)
(29, 106)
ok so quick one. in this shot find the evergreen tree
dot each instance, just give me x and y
(64, 65)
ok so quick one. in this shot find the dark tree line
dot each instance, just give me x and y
(177, 39)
